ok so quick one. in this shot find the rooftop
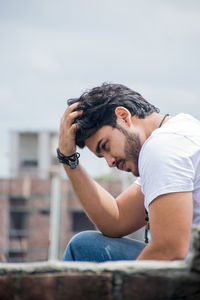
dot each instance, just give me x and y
(111, 280)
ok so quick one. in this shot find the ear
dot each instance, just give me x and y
(123, 115)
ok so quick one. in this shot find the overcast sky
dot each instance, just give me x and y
(53, 50)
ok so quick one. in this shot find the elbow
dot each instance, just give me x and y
(173, 252)
(179, 255)
(178, 252)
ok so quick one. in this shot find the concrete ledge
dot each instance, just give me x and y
(112, 280)
(194, 260)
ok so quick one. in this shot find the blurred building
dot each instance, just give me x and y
(25, 217)
(32, 153)
(26, 200)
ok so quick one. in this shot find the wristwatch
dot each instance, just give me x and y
(72, 161)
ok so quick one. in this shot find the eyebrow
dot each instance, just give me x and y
(98, 147)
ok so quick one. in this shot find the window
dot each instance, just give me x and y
(16, 256)
(29, 163)
(44, 211)
(17, 202)
(18, 224)
(28, 151)
(18, 217)
(80, 222)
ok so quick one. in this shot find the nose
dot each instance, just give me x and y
(111, 161)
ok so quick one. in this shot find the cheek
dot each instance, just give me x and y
(120, 145)
(119, 150)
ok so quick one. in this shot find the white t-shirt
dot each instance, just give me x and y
(169, 161)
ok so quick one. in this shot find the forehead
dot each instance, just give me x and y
(102, 133)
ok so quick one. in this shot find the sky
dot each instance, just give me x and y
(54, 50)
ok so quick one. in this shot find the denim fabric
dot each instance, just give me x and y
(94, 246)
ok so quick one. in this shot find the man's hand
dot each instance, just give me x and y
(68, 129)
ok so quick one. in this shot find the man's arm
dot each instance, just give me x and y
(170, 224)
(113, 217)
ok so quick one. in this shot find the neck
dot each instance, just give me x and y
(147, 125)
(154, 121)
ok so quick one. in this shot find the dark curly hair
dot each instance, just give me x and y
(99, 103)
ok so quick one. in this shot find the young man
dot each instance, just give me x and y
(119, 125)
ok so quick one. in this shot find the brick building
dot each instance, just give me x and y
(25, 204)
(30, 228)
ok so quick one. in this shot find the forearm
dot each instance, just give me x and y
(99, 205)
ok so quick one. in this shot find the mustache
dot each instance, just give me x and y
(118, 162)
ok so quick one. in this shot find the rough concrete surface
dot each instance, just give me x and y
(55, 280)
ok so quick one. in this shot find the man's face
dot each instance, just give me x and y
(119, 146)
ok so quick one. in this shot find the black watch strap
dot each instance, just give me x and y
(72, 161)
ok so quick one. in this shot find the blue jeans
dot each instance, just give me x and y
(94, 246)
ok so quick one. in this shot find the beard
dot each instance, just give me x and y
(132, 148)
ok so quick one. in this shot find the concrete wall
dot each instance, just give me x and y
(141, 280)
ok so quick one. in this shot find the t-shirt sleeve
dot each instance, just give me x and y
(165, 166)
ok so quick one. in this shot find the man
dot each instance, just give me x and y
(119, 125)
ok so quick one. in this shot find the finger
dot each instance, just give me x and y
(72, 131)
(71, 117)
(74, 128)
(72, 107)
(68, 117)
(69, 110)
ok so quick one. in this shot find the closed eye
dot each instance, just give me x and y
(101, 146)
(105, 146)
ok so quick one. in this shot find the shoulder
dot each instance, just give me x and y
(166, 166)
(165, 148)
(169, 158)
(180, 136)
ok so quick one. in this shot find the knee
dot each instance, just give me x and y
(78, 246)
(84, 237)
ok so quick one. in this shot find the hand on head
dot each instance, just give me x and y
(68, 128)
